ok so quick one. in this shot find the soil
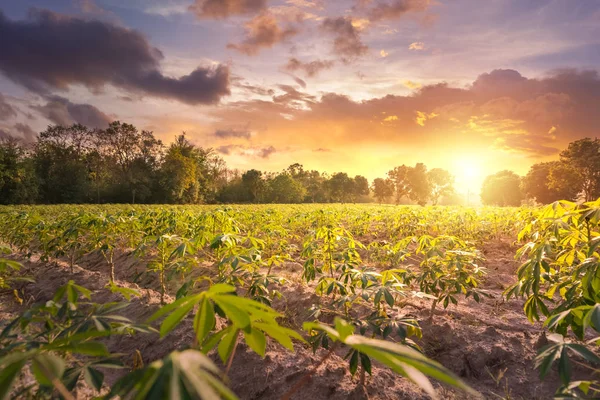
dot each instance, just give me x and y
(491, 345)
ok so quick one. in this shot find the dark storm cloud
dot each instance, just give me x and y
(311, 68)
(263, 31)
(219, 9)
(347, 42)
(232, 133)
(6, 110)
(63, 112)
(53, 51)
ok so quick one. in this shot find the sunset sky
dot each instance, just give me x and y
(358, 86)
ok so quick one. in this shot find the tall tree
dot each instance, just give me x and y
(584, 157)
(60, 158)
(441, 184)
(340, 187)
(135, 155)
(18, 181)
(383, 189)
(360, 188)
(551, 181)
(180, 171)
(285, 189)
(399, 175)
(419, 188)
(254, 185)
(502, 189)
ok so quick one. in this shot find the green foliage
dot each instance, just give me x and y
(502, 189)
(559, 279)
(46, 337)
(403, 360)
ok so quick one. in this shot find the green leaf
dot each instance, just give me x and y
(239, 317)
(227, 344)
(256, 340)
(205, 320)
(353, 365)
(365, 362)
(8, 373)
(173, 306)
(46, 367)
(93, 377)
(176, 316)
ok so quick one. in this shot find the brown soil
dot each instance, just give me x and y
(491, 345)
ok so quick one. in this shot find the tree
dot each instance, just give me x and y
(360, 187)
(551, 181)
(441, 184)
(341, 187)
(60, 159)
(584, 157)
(399, 177)
(383, 189)
(180, 172)
(502, 189)
(18, 182)
(135, 156)
(418, 184)
(254, 185)
(285, 189)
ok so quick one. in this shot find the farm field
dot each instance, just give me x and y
(299, 301)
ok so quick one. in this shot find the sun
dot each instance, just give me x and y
(469, 173)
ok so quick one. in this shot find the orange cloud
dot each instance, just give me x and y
(417, 46)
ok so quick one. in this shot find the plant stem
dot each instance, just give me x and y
(230, 362)
(58, 385)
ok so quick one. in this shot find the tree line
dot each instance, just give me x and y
(575, 176)
(120, 164)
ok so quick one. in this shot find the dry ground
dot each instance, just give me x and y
(490, 345)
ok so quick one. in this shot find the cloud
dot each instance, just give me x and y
(411, 84)
(534, 146)
(63, 112)
(422, 117)
(501, 109)
(220, 9)
(23, 132)
(42, 51)
(28, 134)
(390, 118)
(232, 133)
(6, 110)
(316, 4)
(259, 90)
(347, 42)
(311, 68)
(417, 46)
(394, 9)
(257, 152)
(263, 31)
(293, 98)
(300, 82)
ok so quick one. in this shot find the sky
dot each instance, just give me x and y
(357, 86)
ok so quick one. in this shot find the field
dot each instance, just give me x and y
(299, 301)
